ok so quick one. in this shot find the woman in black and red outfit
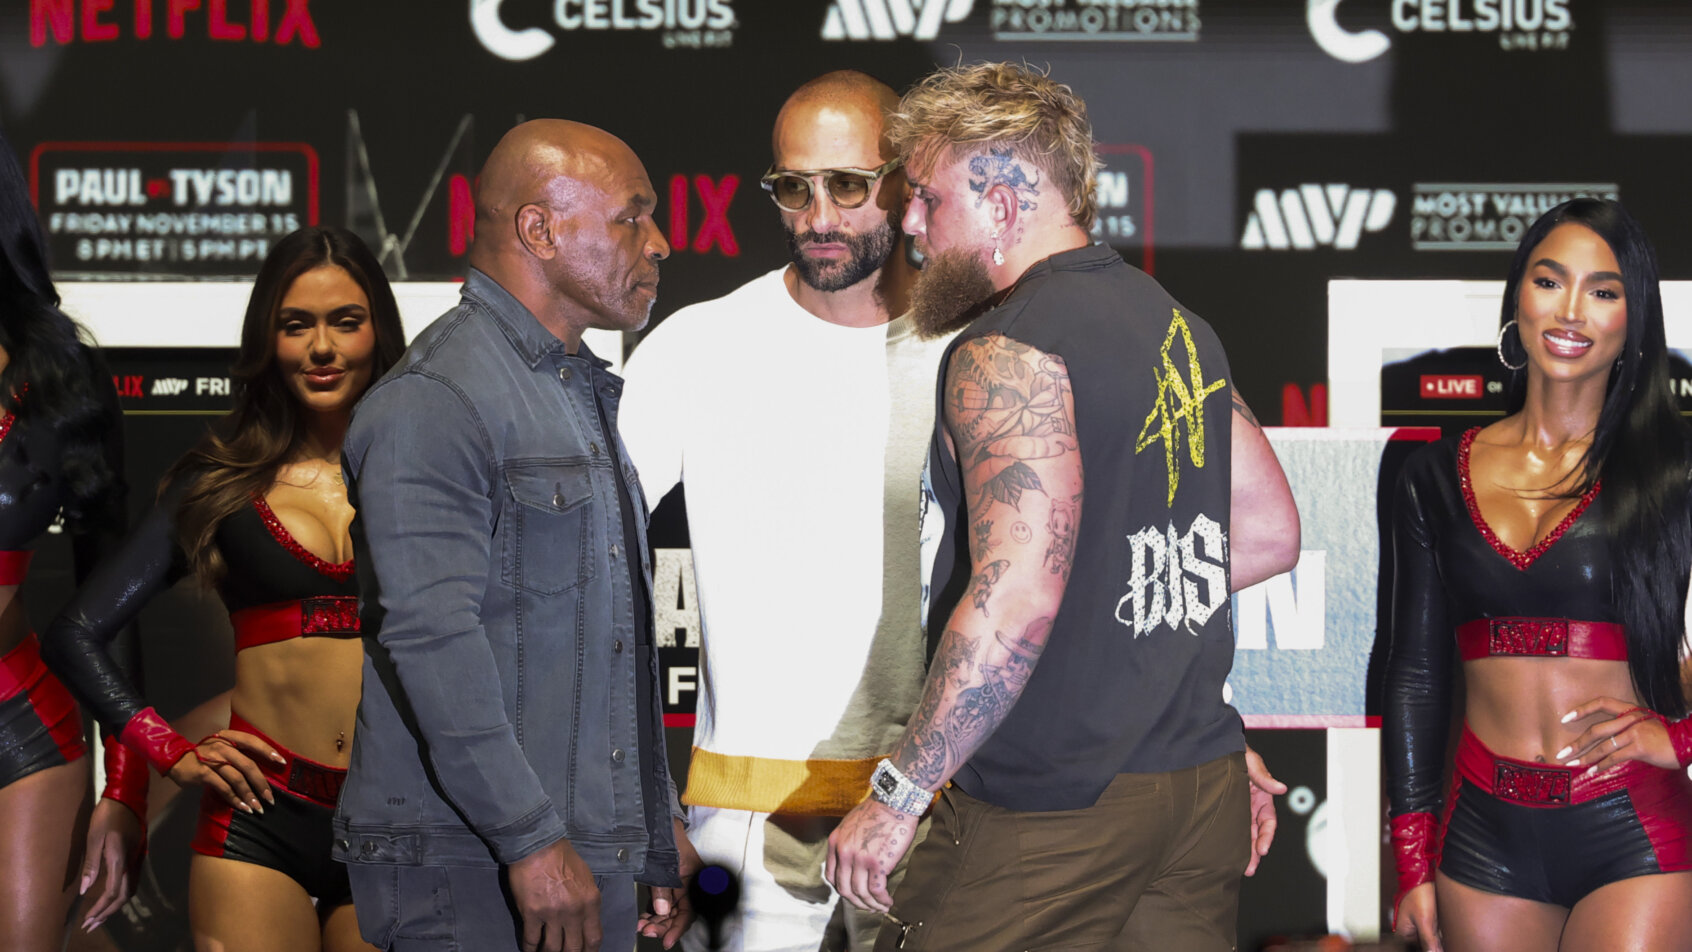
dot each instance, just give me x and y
(258, 511)
(1548, 554)
(60, 453)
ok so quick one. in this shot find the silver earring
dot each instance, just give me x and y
(998, 256)
(1501, 332)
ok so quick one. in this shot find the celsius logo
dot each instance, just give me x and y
(891, 19)
(1520, 24)
(1312, 216)
(690, 23)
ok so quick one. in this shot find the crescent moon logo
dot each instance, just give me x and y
(1337, 41)
(501, 40)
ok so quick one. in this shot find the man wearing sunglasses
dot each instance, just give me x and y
(801, 472)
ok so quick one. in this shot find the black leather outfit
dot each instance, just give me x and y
(265, 566)
(1542, 845)
(40, 726)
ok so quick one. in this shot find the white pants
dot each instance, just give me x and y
(785, 904)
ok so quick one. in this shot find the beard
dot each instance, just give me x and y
(866, 253)
(950, 290)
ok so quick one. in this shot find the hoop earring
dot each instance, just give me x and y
(1501, 332)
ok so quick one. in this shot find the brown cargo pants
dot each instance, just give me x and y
(1154, 865)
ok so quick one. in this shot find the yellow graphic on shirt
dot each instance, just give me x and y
(1179, 412)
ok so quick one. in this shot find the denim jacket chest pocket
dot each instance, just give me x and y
(549, 521)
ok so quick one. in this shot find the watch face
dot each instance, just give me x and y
(886, 782)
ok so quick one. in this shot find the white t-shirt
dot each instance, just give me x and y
(801, 445)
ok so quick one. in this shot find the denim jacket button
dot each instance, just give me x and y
(622, 855)
(369, 847)
(563, 373)
(613, 550)
(617, 756)
(593, 448)
(558, 500)
(617, 646)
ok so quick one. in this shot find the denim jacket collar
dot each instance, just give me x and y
(532, 341)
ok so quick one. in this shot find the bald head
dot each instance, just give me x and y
(564, 223)
(540, 162)
(843, 106)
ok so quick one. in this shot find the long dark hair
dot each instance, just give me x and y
(47, 356)
(1641, 447)
(240, 455)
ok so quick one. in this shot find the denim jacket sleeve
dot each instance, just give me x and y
(421, 474)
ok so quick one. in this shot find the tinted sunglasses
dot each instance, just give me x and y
(847, 188)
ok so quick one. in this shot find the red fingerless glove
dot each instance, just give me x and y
(1415, 851)
(126, 777)
(148, 734)
(1680, 735)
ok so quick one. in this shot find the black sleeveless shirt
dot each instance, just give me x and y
(1131, 679)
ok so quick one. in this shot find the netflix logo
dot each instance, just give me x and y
(280, 22)
(1453, 386)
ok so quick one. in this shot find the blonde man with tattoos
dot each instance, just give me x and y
(1099, 488)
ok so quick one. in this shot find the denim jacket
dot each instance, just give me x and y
(501, 662)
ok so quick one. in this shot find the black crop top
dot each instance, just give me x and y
(265, 565)
(1449, 568)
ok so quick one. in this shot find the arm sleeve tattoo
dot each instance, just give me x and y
(1011, 415)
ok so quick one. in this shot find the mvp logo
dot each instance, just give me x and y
(1312, 216)
(891, 19)
(169, 386)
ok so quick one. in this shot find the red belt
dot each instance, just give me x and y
(1543, 785)
(1542, 637)
(300, 776)
(334, 616)
(14, 565)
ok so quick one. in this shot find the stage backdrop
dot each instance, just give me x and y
(1254, 150)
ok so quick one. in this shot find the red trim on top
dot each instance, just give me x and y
(680, 720)
(1541, 637)
(339, 571)
(1519, 558)
(334, 616)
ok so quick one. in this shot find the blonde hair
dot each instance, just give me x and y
(960, 111)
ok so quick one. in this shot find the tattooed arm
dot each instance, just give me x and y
(1010, 416)
(1263, 528)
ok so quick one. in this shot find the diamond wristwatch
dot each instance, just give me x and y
(892, 788)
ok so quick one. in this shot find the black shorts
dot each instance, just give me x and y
(293, 835)
(40, 726)
(1545, 833)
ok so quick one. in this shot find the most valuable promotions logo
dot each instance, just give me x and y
(891, 19)
(682, 24)
(1519, 24)
(1102, 20)
(1316, 216)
